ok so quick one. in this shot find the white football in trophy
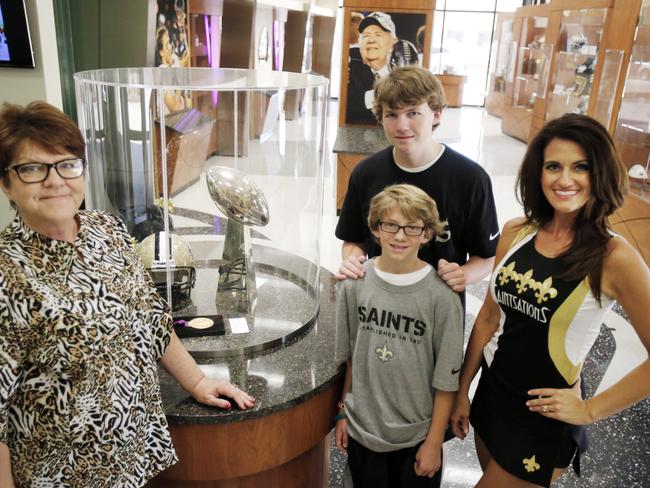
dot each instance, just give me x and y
(237, 196)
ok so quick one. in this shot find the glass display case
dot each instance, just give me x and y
(503, 58)
(632, 134)
(575, 61)
(533, 54)
(533, 67)
(212, 227)
(533, 60)
(609, 81)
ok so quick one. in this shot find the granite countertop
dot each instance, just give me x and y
(278, 378)
(360, 140)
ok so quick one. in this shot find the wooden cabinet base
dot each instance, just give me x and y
(307, 470)
(286, 448)
(345, 163)
(516, 122)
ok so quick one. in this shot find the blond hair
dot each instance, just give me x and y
(413, 203)
(408, 85)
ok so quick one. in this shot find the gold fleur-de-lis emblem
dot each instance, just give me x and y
(525, 280)
(384, 353)
(506, 273)
(530, 464)
(543, 289)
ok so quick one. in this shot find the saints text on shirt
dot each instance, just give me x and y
(391, 320)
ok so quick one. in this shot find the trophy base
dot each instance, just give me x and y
(284, 307)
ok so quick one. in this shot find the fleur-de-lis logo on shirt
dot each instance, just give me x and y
(543, 289)
(530, 464)
(384, 353)
(506, 273)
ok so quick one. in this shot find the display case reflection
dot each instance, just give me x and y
(167, 175)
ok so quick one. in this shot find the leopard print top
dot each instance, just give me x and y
(81, 329)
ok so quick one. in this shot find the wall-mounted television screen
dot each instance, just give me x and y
(15, 42)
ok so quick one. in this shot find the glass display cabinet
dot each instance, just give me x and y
(531, 79)
(632, 139)
(575, 62)
(212, 227)
(533, 55)
(502, 68)
(609, 81)
(632, 134)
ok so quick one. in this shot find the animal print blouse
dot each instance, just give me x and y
(81, 329)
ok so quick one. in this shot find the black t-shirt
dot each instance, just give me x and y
(462, 191)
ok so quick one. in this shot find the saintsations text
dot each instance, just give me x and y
(527, 308)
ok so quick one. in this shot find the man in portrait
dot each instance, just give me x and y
(379, 50)
(376, 38)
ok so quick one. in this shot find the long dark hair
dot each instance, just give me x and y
(608, 180)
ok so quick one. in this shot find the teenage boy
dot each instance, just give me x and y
(399, 331)
(409, 103)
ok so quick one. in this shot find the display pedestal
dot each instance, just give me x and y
(282, 441)
(288, 449)
(352, 145)
(453, 86)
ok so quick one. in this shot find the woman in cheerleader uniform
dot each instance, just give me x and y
(558, 271)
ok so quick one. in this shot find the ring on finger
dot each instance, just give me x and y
(545, 408)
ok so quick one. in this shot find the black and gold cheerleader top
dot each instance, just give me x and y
(547, 325)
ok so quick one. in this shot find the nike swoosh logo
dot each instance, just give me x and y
(455, 371)
(494, 236)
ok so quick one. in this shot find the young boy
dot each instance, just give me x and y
(409, 103)
(399, 329)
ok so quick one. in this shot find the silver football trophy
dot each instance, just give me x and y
(243, 202)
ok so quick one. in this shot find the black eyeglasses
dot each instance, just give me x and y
(68, 169)
(409, 230)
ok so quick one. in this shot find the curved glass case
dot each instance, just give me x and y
(157, 138)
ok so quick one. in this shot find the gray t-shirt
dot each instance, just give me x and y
(404, 342)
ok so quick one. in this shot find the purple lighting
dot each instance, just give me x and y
(208, 39)
(276, 46)
(212, 62)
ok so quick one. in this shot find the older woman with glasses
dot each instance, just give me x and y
(81, 325)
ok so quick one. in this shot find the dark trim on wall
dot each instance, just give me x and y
(65, 48)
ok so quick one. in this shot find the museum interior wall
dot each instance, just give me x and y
(41, 83)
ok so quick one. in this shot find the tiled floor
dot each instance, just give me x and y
(619, 453)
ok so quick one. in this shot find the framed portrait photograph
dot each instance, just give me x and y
(378, 43)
